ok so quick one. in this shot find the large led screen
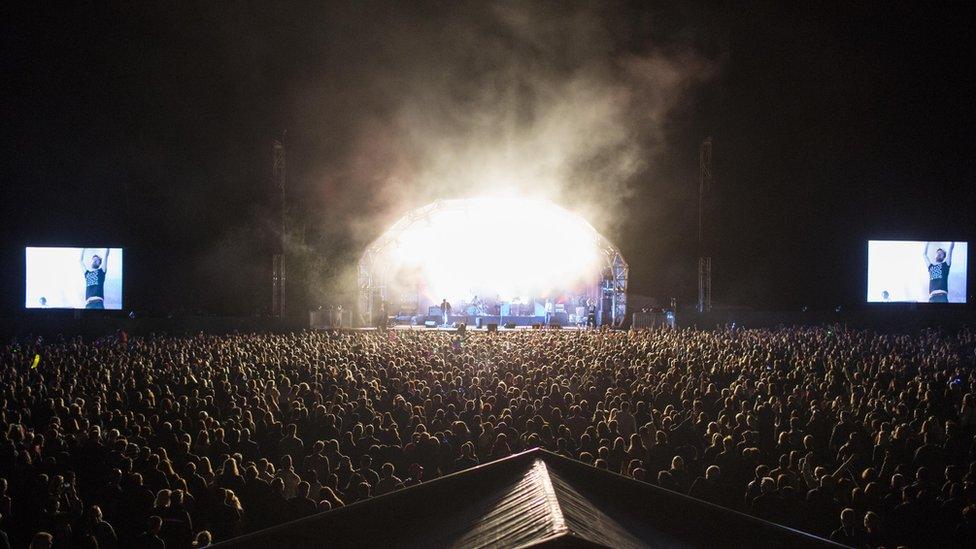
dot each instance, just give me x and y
(73, 278)
(916, 271)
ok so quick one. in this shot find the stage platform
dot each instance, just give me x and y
(559, 318)
(484, 328)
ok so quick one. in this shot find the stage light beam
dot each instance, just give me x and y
(491, 246)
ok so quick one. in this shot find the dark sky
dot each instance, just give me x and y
(148, 126)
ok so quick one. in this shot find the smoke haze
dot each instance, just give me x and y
(513, 99)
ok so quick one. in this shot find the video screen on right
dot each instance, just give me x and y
(916, 271)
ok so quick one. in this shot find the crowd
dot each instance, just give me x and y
(863, 438)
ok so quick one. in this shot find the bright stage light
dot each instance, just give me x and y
(492, 247)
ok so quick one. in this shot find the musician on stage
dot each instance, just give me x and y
(337, 316)
(445, 310)
(384, 318)
(580, 310)
(479, 310)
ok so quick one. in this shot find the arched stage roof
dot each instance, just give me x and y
(375, 278)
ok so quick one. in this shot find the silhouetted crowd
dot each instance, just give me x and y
(862, 438)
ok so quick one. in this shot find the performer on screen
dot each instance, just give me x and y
(445, 310)
(938, 273)
(95, 280)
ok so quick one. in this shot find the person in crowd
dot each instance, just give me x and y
(388, 481)
(329, 495)
(847, 533)
(203, 539)
(291, 445)
(228, 517)
(301, 505)
(708, 487)
(468, 458)
(101, 530)
(288, 475)
(4, 538)
(150, 539)
(42, 540)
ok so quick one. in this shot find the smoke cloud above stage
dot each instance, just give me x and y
(516, 100)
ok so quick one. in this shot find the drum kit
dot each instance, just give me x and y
(477, 307)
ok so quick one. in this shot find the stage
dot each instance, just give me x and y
(511, 321)
(551, 260)
(454, 329)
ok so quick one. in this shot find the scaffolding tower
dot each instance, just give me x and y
(704, 252)
(278, 258)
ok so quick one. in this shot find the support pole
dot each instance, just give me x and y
(704, 257)
(278, 258)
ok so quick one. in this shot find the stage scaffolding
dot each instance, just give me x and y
(373, 283)
(704, 233)
(278, 258)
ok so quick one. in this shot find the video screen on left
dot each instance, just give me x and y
(73, 278)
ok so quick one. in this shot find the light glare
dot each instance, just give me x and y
(493, 247)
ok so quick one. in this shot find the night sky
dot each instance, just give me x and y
(149, 126)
